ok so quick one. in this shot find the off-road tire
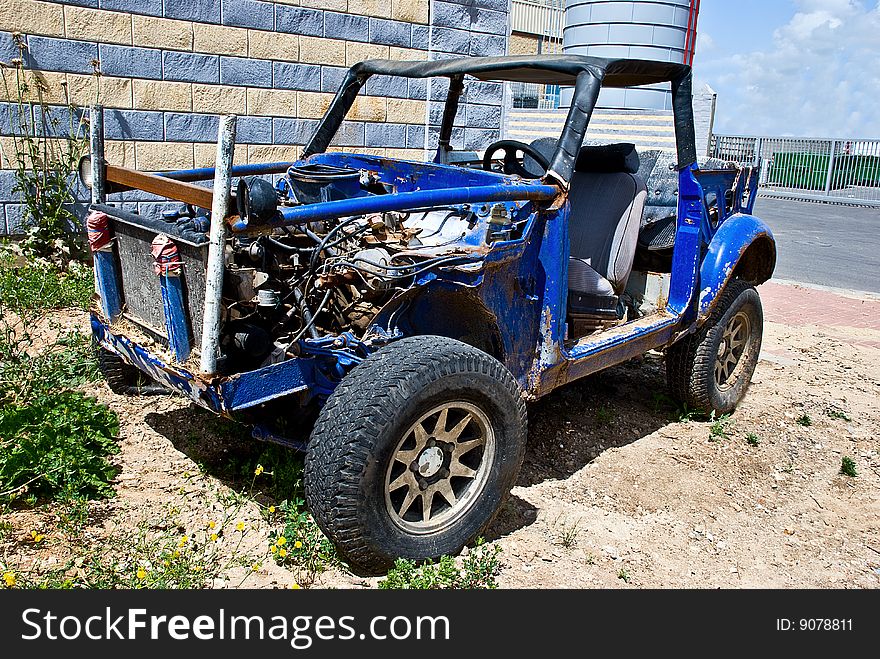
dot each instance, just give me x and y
(361, 425)
(122, 378)
(690, 363)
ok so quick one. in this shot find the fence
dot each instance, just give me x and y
(834, 170)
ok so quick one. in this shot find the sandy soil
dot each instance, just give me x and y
(616, 491)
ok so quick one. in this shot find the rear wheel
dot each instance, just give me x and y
(414, 452)
(710, 370)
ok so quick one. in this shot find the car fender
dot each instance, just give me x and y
(743, 246)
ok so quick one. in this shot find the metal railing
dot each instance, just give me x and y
(534, 97)
(542, 17)
(834, 170)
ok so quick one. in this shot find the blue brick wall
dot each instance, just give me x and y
(459, 28)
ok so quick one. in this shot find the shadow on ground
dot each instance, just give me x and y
(568, 429)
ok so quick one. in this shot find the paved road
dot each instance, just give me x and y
(823, 244)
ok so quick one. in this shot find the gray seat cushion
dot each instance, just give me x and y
(606, 210)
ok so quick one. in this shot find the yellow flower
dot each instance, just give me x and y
(211, 525)
(9, 579)
(239, 526)
(256, 566)
(297, 545)
(258, 470)
(176, 554)
(214, 537)
(282, 552)
(271, 510)
(141, 573)
(273, 549)
(182, 541)
(166, 563)
(37, 537)
(281, 541)
(294, 586)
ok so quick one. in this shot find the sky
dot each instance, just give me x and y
(804, 68)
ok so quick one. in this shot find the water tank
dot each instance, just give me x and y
(662, 30)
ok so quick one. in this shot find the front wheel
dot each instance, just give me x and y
(710, 370)
(414, 452)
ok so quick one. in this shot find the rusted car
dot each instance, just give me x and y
(392, 318)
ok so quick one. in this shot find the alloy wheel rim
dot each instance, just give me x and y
(439, 468)
(732, 350)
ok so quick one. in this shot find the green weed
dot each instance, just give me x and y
(301, 546)
(804, 420)
(752, 439)
(40, 285)
(718, 429)
(623, 575)
(604, 416)
(833, 412)
(478, 571)
(848, 467)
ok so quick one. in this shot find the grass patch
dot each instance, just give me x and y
(752, 439)
(42, 285)
(718, 429)
(478, 571)
(804, 420)
(834, 412)
(848, 467)
(623, 575)
(604, 416)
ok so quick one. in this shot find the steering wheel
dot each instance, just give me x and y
(510, 163)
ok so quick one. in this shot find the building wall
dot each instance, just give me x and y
(167, 67)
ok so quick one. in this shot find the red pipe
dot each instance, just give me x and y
(690, 44)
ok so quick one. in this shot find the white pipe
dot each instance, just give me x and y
(217, 244)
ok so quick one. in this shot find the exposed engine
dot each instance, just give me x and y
(328, 277)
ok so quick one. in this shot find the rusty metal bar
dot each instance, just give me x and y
(217, 243)
(166, 187)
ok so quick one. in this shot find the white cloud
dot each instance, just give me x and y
(705, 43)
(820, 78)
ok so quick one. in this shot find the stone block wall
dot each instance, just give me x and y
(168, 67)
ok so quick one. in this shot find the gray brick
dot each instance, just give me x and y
(390, 33)
(415, 137)
(490, 22)
(7, 183)
(190, 67)
(420, 37)
(450, 14)
(394, 86)
(203, 11)
(439, 88)
(435, 115)
(57, 121)
(133, 125)
(487, 93)
(497, 5)
(417, 88)
(477, 139)
(296, 20)
(249, 13)
(15, 223)
(81, 3)
(350, 133)
(292, 131)
(149, 7)
(487, 45)
(379, 135)
(346, 26)
(245, 72)
(332, 77)
(190, 127)
(8, 49)
(304, 77)
(12, 117)
(61, 55)
(450, 41)
(253, 130)
(483, 116)
(457, 139)
(128, 62)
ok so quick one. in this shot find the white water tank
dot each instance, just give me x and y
(663, 30)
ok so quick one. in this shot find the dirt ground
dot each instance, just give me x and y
(616, 492)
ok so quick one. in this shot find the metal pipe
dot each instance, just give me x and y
(217, 244)
(406, 201)
(96, 144)
(207, 173)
